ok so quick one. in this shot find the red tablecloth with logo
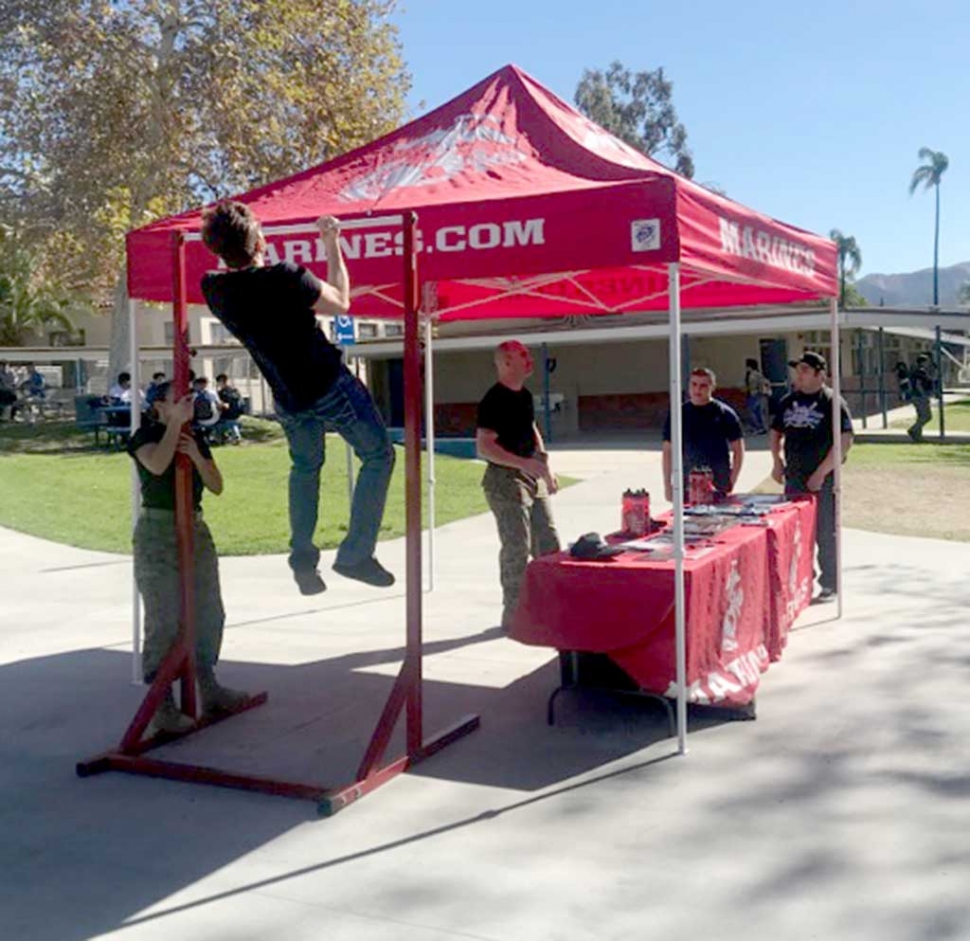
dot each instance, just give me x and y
(743, 590)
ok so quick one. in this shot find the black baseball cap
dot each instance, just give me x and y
(593, 546)
(809, 358)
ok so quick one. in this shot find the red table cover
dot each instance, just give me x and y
(741, 600)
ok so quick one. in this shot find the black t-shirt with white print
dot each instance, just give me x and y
(806, 422)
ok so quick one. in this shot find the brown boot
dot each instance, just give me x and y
(169, 718)
(216, 698)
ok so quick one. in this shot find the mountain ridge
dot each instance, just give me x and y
(915, 288)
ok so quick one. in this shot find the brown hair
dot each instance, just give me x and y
(231, 231)
(707, 373)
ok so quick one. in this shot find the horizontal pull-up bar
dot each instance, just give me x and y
(305, 228)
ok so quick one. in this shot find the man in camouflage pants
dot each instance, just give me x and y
(518, 481)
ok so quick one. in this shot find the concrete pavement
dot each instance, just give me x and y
(841, 813)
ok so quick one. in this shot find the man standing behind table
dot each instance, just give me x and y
(803, 424)
(517, 481)
(272, 310)
(712, 436)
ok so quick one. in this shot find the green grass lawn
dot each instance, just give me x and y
(906, 489)
(956, 416)
(56, 485)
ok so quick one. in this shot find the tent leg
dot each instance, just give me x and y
(429, 435)
(939, 380)
(882, 379)
(546, 409)
(136, 671)
(837, 446)
(412, 491)
(677, 486)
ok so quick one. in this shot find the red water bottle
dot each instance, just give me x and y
(636, 512)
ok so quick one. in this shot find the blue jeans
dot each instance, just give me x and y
(756, 412)
(349, 410)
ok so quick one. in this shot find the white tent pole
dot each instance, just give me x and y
(136, 677)
(429, 434)
(677, 487)
(349, 451)
(837, 446)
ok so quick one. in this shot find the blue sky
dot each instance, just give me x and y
(809, 112)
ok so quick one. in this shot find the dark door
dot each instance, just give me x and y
(774, 366)
(395, 388)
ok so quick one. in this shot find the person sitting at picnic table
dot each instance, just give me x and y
(162, 435)
(157, 379)
(207, 405)
(8, 391)
(120, 392)
(34, 386)
(713, 437)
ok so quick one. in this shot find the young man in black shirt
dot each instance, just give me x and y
(712, 436)
(803, 425)
(517, 481)
(272, 310)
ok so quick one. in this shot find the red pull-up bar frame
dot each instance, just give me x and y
(129, 756)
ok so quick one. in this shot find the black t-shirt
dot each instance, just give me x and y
(270, 311)
(708, 431)
(231, 398)
(921, 381)
(158, 493)
(511, 415)
(806, 423)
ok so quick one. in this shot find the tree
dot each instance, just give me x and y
(964, 296)
(113, 113)
(638, 108)
(850, 261)
(28, 300)
(930, 174)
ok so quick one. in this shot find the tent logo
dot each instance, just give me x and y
(472, 145)
(645, 235)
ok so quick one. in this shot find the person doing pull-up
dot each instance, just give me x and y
(272, 310)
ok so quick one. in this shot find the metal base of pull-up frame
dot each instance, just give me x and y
(406, 694)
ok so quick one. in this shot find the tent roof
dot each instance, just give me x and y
(525, 208)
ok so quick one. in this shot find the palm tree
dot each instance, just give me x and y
(27, 300)
(850, 259)
(930, 174)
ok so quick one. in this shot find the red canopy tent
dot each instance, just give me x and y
(503, 203)
(527, 209)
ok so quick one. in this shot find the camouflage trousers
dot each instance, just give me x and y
(525, 527)
(157, 577)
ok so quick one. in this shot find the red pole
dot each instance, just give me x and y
(183, 483)
(412, 488)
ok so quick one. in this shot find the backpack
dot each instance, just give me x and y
(204, 413)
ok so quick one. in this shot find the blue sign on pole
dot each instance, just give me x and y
(343, 331)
